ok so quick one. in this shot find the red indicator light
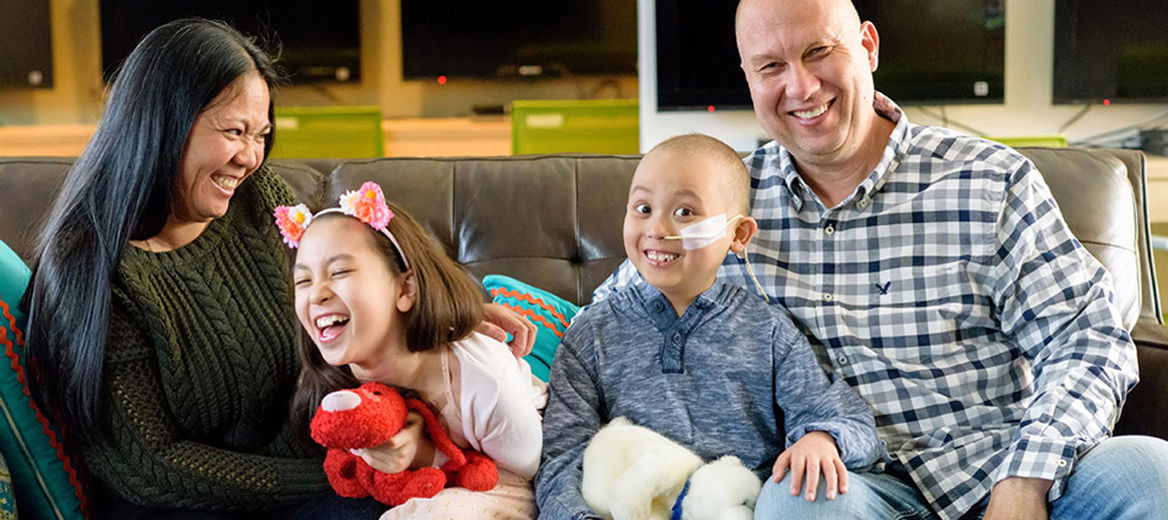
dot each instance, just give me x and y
(441, 80)
(710, 108)
(1106, 102)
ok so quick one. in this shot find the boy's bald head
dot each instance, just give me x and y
(724, 161)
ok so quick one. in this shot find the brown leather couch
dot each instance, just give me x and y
(555, 222)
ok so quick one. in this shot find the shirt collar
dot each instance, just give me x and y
(660, 310)
(897, 143)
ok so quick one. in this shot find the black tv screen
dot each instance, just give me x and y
(518, 38)
(317, 41)
(1114, 50)
(26, 50)
(931, 52)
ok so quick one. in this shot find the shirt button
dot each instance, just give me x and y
(830, 230)
(659, 306)
(843, 360)
(828, 297)
(1062, 463)
(677, 337)
(863, 203)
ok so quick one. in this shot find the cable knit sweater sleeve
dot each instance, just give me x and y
(149, 460)
(200, 366)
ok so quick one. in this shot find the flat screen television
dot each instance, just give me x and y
(518, 38)
(26, 44)
(1113, 50)
(317, 41)
(931, 52)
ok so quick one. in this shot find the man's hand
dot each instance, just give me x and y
(816, 452)
(410, 448)
(1018, 498)
(498, 321)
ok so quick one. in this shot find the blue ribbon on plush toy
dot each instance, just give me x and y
(677, 505)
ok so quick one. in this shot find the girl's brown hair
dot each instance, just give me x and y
(448, 306)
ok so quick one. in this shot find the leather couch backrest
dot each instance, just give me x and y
(551, 221)
(554, 221)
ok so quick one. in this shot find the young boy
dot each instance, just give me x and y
(702, 362)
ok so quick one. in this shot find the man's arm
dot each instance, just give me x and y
(571, 419)
(1053, 299)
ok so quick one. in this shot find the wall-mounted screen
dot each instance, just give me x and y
(1110, 50)
(518, 38)
(317, 41)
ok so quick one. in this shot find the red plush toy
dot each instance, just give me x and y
(369, 416)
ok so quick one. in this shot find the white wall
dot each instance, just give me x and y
(1026, 111)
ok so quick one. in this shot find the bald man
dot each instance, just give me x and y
(933, 272)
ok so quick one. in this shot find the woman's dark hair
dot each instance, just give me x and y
(448, 307)
(120, 189)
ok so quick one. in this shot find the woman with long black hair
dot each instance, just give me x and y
(159, 325)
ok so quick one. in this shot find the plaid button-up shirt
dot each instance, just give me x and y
(949, 292)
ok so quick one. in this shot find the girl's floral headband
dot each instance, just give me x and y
(367, 204)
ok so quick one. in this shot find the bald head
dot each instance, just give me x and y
(841, 8)
(723, 162)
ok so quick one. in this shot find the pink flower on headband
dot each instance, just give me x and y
(368, 205)
(292, 221)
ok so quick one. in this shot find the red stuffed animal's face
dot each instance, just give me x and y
(364, 417)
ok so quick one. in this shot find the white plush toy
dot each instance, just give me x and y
(634, 473)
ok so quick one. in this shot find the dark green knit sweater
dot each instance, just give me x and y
(201, 365)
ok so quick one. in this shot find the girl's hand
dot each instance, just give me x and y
(498, 321)
(814, 453)
(410, 448)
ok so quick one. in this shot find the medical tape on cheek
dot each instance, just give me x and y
(704, 233)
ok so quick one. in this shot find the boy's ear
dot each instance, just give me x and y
(743, 233)
(409, 292)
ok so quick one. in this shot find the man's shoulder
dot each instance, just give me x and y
(940, 145)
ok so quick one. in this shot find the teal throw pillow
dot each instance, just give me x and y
(43, 477)
(550, 314)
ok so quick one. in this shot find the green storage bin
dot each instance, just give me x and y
(329, 131)
(575, 126)
(1053, 141)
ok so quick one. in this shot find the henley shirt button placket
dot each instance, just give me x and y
(671, 353)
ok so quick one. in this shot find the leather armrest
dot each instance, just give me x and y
(1143, 413)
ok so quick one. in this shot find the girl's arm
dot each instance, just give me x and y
(410, 448)
(497, 404)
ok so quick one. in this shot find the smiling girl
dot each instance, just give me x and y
(380, 301)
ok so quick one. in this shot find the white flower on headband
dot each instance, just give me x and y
(292, 221)
(368, 205)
